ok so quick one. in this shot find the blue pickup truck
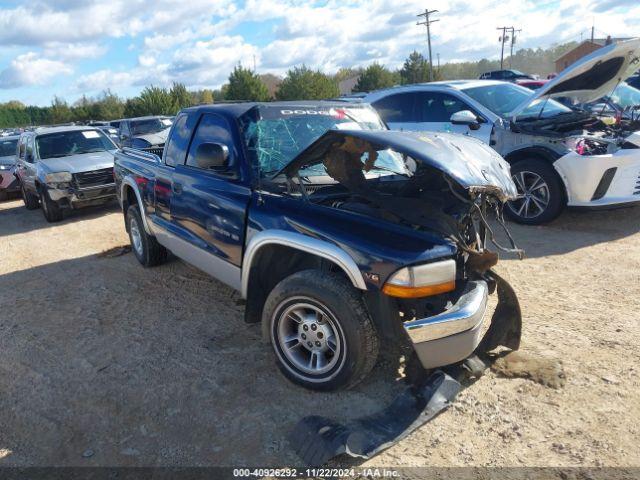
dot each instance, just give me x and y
(344, 238)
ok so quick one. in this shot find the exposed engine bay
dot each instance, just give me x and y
(581, 132)
(356, 176)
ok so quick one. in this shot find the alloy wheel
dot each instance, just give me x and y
(309, 338)
(136, 237)
(533, 195)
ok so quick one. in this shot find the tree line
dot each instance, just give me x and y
(300, 83)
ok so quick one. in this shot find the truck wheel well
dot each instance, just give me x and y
(128, 198)
(272, 264)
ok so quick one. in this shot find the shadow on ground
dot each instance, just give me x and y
(573, 230)
(16, 219)
(131, 366)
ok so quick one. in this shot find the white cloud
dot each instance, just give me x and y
(30, 69)
(71, 52)
(197, 42)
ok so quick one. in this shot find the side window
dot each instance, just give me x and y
(212, 128)
(22, 147)
(398, 108)
(438, 107)
(29, 150)
(124, 129)
(176, 149)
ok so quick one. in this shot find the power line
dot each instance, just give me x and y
(513, 40)
(503, 38)
(427, 22)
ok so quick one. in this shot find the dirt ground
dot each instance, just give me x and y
(103, 362)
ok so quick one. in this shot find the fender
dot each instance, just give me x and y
(129, 181)
(304, 243)
(544, 153)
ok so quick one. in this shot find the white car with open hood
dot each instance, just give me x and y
(558, 156)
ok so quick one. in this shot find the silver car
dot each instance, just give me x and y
(65, 168)
(558, 156)
(8, 182)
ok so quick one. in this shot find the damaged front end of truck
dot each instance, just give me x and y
(446, 185)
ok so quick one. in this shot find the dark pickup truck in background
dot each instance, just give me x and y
(144, 133)
(343, 237)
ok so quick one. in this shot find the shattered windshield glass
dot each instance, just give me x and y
(275, 135)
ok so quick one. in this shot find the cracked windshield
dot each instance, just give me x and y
(275, 136)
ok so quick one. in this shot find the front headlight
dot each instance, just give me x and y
(422, 280)
(58, 177)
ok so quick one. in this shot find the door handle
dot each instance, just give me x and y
(177, 188)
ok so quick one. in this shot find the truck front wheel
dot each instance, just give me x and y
(31, 202)
(51, 210)
(320, 331)
(145, 247)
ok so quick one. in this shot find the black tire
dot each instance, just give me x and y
(545, 202)
(51, 210)
(148, 252)
(3, 195)
(31, 202)
(342, 311)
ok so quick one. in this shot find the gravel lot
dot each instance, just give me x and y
(105, 363)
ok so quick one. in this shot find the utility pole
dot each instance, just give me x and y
(513, 40)
(502, 41)
(593, 28)
(428, 22)
(438, 55)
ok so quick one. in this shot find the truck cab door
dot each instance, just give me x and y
(209, 202)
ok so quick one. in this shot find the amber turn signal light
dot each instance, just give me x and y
(418, 292)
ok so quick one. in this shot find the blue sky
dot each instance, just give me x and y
(73, 47)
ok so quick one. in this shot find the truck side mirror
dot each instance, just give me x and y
(466, 117)
(212, 156)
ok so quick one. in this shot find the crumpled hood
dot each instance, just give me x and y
(592, 77)
(466, 160)
(157, 138)
(84, 162)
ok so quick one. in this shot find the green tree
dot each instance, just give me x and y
(156, 101)
(345, 73)
(108, 107)
(415, 69)
(244, 84)
(60, 111)
(181, 97)
(375, 77)
(133, 108)
(302, 83)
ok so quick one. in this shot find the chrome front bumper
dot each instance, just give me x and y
(454, 334)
